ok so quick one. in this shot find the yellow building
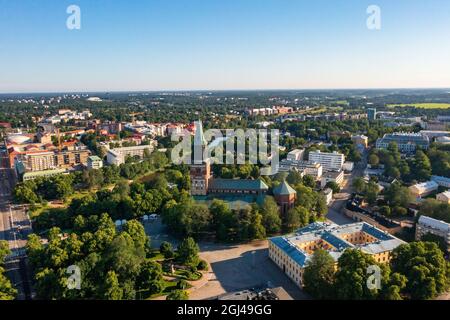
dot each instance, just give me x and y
(291, 253)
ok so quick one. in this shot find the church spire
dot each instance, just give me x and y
(200, 143)
(199, 139)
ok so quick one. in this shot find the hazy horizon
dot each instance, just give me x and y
(234, 45)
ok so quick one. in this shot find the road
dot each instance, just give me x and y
(334, 212)
(15, 227)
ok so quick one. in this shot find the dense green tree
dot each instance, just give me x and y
(423, 264)
(187, 252)
(111, 288)
(296, 217)
(352, 276)
(318, 277)
(166, 249)
(359, 185)
(397, 195)
(333, 186)
(271, 215)
(7, 291)
(178, 295)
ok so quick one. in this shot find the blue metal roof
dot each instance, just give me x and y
(293, 252)
(376, 233)
(336, 242)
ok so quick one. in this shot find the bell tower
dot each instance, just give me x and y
(200, 170)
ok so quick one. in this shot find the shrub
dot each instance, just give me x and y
(202, 265)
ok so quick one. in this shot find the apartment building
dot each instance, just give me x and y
(329, 161)
(94, 162)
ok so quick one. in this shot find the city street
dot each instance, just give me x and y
(15, 227)
(335, 210)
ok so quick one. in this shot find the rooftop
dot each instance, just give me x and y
(238, 184)
(333, 235)
(283, 189)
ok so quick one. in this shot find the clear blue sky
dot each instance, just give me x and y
(222, 44)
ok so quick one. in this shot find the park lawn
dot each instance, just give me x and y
(422, 105)
(169, 286)
(157, 256)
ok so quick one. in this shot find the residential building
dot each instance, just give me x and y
(296, 154)
(329, 161)
(118, 156)
(309, 168)
(444, 197)
(426, 225)
(291, 253)
(332, 176)
(423, 189)
(94, 162)
(406, 142)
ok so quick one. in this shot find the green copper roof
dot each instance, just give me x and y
(238, 184)
(283, 189)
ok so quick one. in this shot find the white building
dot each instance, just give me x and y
(329, 161)
(328, 193)
(296, 154)
(423, 189)
(439, 228)
(348, 166)
(291, 253)
(309, 168)
(332, 176)
(118, 156)
(94, 162)
(444, 197)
